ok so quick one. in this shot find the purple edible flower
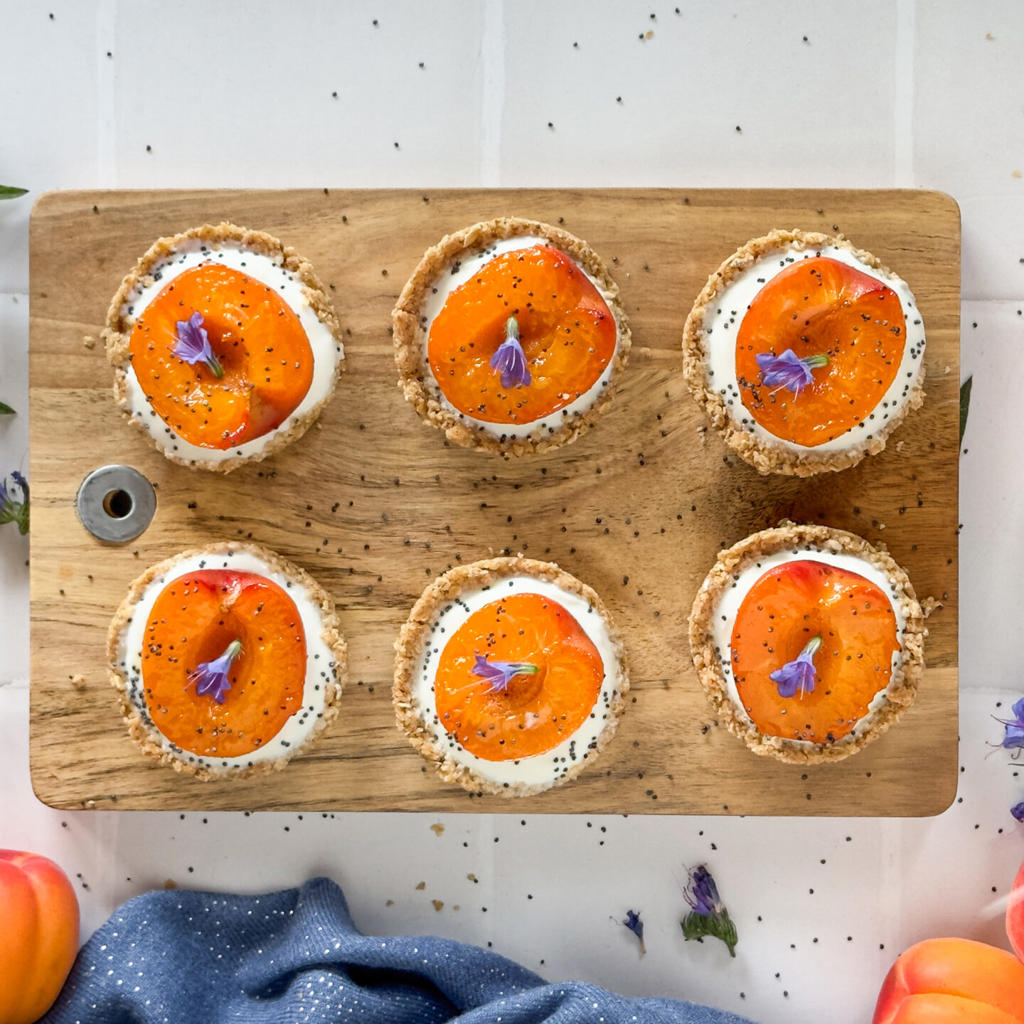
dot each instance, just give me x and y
(211, 677)
(799, 675)
(636, 926)
(14, 509)
(499, 673)
(1014, 729)
(193, 345)
(708, 915)
(510, 359)
(789, 370)
(1018, 811)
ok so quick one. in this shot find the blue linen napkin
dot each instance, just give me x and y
(180, 957)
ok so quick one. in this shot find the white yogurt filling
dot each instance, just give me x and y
(327, 350)
(321, 668)
(537, 769)
(729, 605)
(721, 326)
(463, 270)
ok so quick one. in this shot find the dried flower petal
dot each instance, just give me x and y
(193, 344)
(636, 926)
(211, 677)
(789, 370)
(510, 359)
(1018, 811)
(14, 508)
(1014, 736)
(799, 675)
(499, 673)
(708, 916)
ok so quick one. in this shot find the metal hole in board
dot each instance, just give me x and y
(116, 503)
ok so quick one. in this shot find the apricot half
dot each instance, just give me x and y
(565, 328)
(785, 609)
(821, 307)
(255, 335)
(193, 621)
(537, 710)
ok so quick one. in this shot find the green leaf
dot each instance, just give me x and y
(965, 405)
(10, 192)
(6, 410)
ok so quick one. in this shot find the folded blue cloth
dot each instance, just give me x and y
(210, 958)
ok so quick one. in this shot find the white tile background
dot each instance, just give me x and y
(925, 93)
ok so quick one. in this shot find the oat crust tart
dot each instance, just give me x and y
(227, 661)
(805, 352)
(808, 642)
(224, 346)
(509, 676)
(509, 336)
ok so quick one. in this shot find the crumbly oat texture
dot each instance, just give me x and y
(414, 376)
(414, 636)
(765, 455)
(146, 736)
(117, 332)
(791, 537)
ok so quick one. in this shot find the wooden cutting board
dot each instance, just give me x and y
(375, 505)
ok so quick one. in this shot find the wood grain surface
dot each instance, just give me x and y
(375, 504)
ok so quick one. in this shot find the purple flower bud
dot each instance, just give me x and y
(701, 892)
(798, 676)
(1018, 811)
(708, 917)
(1014, 736)
(636, 926)
(193, 344)
(498, 674)
(211, 677)
(789, 370)
(14, 508)
(510, 359)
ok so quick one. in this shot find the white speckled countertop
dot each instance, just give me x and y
(369, 93)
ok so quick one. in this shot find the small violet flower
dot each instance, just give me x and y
(510, 359)
(636, 926)
(708, 916)
(789, 370)
(14, 508)
(499, 673)
(193, 344)
(211, 677)
(1014, 736)
(799, 675)
(1018, 811)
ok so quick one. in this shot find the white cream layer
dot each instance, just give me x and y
(327, 350)
(538, 769)
(729, 605)
(725, 313)
(463, 270)
(321, 669)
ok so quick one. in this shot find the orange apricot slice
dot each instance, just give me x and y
(193, 620)
(786, 608)
(565, 328)
(255, 335)
(821, 307)
(537, 710)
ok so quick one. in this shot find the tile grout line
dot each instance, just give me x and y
(106, 131)
(492, 103)
(903, 91)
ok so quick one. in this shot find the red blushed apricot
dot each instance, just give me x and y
(565, 328)
(193, 620)
(783, 611)
(537, 711)
(820, 306)
(941, 981)
(257, 338)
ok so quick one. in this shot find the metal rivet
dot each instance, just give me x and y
(116, 503)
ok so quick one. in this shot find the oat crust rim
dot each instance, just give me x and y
(147, 737)
(790, 536)
(116, 333)
(414, 636)
(417, 382)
